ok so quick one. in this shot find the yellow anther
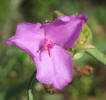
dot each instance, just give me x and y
(48, 42)
(46, 47)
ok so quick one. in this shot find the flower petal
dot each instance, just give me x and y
(56, 68)
(27, 37)
(65, 30)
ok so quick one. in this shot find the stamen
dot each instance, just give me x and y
(49, 51)
(47, 45)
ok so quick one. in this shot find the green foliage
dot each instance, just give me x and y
(4, 11)
(98, 55)
(38, 9)
(81, 87)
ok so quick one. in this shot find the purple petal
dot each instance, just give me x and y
(27, 37)
(65, 30)
(56, 68)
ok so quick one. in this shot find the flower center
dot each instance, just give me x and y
(46, 45)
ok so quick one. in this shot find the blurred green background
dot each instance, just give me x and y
(15, 65)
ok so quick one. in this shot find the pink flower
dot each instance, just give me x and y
(47, 45)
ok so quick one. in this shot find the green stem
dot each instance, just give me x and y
(30, 85)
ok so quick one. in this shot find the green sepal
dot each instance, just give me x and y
(82, 43)
(79, 52)
(85, 36)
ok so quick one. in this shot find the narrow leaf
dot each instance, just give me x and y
(30, 95)
(97, 54)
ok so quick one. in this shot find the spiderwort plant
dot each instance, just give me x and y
(47, 44)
